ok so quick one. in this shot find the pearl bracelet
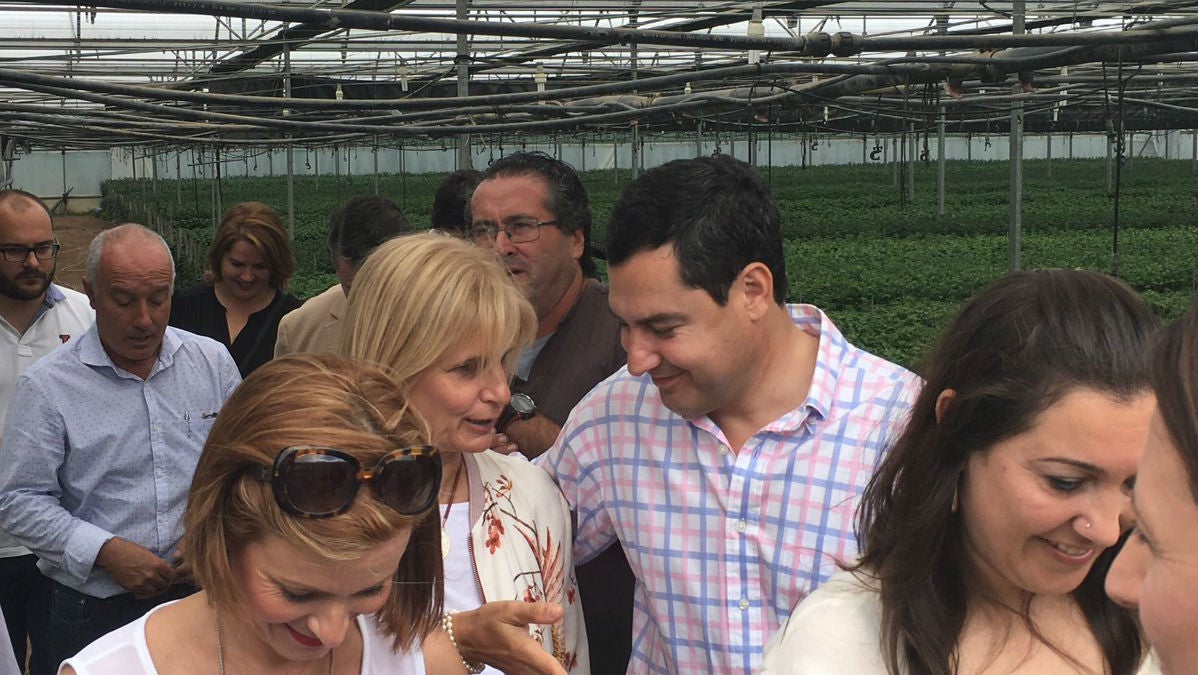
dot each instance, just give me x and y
(447, 624)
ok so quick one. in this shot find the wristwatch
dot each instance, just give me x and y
(521, 407)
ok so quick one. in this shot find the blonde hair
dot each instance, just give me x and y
(419, 296)
(314, 400)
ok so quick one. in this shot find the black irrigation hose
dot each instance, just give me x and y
(820, 44)
(18, 78)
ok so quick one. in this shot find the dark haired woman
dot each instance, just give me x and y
(1157, 570)
(244, 295)
(990, 525)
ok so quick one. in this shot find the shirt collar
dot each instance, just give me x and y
(53, 295)
(829, 362)
(92, 352)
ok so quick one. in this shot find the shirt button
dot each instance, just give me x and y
(724, 449)
(744, 604)
(741, 526)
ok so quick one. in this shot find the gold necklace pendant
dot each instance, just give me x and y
(457, 476)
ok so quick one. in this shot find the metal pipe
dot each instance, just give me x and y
(290, 147)
(940, 162)
(465, 159)
(1015, 161)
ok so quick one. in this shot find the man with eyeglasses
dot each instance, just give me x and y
(100, 443)
(36, 317)
(534, 212)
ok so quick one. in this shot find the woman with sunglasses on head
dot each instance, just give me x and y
(447, 321)
(989, 526)
(310, 527)
(1156, 573)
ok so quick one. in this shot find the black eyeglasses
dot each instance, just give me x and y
(519, 230)
(322, 482)
(20, 253)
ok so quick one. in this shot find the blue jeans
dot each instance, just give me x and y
(77, 620)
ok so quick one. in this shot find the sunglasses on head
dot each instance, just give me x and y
(322, 482)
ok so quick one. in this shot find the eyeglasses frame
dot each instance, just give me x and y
(493, 230)
(53, 245)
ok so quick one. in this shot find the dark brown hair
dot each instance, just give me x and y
(323, 400)
(260, 225)
(1175, 379)
(1014, 350)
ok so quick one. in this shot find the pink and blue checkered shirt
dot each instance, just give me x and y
(723, 544)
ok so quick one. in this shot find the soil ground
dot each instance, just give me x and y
(74, 233)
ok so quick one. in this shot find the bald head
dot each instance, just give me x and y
(19, 201)
(126, 235)
(130, 275)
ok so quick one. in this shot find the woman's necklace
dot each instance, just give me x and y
(457, 476)
(220, 652)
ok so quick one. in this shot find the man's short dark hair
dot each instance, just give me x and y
(717, 214)
(452, 200)
(568, 201)
(361, 224)
(15, 195)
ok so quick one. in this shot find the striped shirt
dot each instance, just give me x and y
(724, 544)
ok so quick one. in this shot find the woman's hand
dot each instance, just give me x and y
(497, 634)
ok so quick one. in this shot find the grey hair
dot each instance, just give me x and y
(116, 235)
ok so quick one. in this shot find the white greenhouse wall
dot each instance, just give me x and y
(49, 174)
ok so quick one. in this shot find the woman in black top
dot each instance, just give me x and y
(242, 297)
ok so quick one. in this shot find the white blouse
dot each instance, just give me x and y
(124, 652)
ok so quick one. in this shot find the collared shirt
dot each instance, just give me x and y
(92, 451)
(63, 315)
(724, 544)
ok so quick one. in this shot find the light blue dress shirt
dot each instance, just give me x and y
(91, 451)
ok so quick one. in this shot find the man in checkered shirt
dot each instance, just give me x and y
(728, 457)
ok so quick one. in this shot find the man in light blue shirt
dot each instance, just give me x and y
(101, 441)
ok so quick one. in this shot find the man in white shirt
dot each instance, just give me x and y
(36, 317)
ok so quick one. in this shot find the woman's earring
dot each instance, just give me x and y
(955, 504)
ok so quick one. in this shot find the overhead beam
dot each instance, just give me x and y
(296, 36)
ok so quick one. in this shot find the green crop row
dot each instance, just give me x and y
(890, 274)
(814, 202)
(904, 331)
(856, 271)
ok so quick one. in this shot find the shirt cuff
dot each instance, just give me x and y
(83, 546)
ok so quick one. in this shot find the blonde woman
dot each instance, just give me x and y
(448, 322)
(308, 563)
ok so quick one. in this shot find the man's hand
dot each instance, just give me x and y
(497, 634)
(183, 574)
(532, 436)
(137, 570)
